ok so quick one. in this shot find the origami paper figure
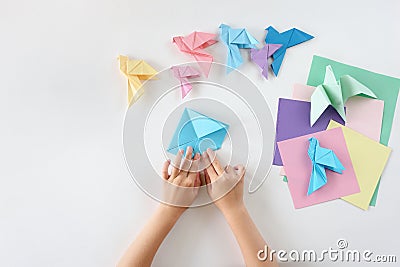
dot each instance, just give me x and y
(287, 39)
(362, 114)
(235, 39)
(198, 131)
(183, 74)
(335, 94)
(136, 71)
(321, 158)
(194, 45)
(260, 56)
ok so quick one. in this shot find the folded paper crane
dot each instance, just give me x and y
(287, 39)
(321, 158)
(235, 39)
(135, 71)
(260, 56)
(183, 74)
(335, 94)
(194, 45)
(198, 131)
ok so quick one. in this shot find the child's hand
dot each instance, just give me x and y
(183, 183)
(222, 180)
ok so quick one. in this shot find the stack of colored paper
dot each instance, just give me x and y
(343, 117)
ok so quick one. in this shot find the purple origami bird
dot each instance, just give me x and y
(183, 74)
(260, 56)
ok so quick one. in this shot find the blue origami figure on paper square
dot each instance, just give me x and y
(287, 39)
(235, 39)
(198, 131)
(321, 158)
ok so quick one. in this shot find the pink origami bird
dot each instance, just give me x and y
(260, 56)
(183, 74)
(194, 44)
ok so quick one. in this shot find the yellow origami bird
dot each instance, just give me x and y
(136, 71)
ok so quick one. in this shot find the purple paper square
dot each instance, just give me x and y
(293, 120)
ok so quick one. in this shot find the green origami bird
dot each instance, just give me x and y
(334, 93)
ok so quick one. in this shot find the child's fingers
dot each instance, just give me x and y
(215, 161)
(206, 177)
(197, 182)
(212, 174)
(187, 161)
(164, 171)
(193, 172)
(202, 177)
(177, 164)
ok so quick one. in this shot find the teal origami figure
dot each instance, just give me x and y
(321, 158)
(335, 93)
(236, 39)
(198, 131)
(287, 39)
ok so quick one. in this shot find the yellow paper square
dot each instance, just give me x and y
(369, 160)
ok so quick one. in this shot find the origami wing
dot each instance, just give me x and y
(326, 94)
(321, 158)
(287, 39)
(352, 87)
(241, 38)
(335, 94)
(199, 131)
(135, 71)
(297, 37)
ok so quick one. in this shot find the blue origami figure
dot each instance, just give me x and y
(321, 158)
(287, 39)
(198, 131)
(235, 39)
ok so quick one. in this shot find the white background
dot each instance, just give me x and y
(66, 197)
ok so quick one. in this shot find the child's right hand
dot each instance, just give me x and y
(224, 185)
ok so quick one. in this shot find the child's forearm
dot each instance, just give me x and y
(142, 251)
(247, 235)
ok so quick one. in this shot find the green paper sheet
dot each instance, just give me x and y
(385, 88)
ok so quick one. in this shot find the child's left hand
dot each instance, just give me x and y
(183, 183)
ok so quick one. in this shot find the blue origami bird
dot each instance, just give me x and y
(287, 39)
(321, 158)
(235, 39)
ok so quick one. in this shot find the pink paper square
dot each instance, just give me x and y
(298, 166)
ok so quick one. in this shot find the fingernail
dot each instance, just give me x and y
(209, 150)
(181, 151)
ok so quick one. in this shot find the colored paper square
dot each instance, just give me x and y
(298, 168)
(369, 159)
(293, 120)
